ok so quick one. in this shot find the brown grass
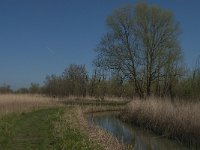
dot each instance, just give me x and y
(90, 98)
(177, 120)
(20, 102)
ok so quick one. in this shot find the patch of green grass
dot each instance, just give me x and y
(31, 130)
(44, 129)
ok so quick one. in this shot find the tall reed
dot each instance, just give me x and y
(20, 102)
(178, 120)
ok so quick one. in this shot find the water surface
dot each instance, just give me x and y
(140, 139)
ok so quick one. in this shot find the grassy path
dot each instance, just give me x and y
(44, 129)
(29, 131)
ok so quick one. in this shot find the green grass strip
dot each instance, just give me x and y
(31, 130)
(44, 129)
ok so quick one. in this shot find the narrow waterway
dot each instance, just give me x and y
(138, 138)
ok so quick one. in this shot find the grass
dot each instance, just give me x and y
(38, 122)
(69, 134)
(177, 120)
(50, 128)
(31, 130)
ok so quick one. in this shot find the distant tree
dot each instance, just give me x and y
(22, 90)
(188, 87)
(5, 89)
(196, 79)
(116, 85)
(196, 71)
(142, 43)
(55, 86)
(76, 77)
(34, 88)
(93, 84)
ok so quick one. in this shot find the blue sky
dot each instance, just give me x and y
(42, 37)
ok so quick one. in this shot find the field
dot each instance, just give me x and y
(177, 120)
(37, 122)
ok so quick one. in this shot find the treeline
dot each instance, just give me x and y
(188, 87)
(75, 81)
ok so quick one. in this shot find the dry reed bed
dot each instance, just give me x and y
(74, 100)
(20, 102)
(90, 98)
(177, 120)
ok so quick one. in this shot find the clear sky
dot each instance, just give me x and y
(42, 37)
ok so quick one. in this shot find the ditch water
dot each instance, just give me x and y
(138, 138)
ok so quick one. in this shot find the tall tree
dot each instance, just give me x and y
(142, 42)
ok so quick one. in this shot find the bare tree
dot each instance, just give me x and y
(76, 78)
(142, 42)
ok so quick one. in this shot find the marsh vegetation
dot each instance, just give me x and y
(176, 120)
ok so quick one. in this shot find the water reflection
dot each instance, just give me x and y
(138, 138)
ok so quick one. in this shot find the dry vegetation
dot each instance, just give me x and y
(177, 120)
(20, 102)
(92, 98)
